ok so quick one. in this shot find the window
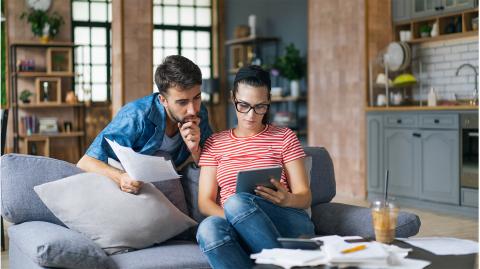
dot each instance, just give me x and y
(91, 22)
(183, 27)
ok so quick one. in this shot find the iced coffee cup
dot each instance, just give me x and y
(384, 220)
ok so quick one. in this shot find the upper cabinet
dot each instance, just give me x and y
(401, 10)
(413, 9)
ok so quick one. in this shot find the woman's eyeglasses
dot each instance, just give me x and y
(243, 107)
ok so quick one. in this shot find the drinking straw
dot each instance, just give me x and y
(386, 186)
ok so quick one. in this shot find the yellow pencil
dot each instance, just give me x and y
(357, 248)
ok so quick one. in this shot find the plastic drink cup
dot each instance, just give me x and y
(384, 220)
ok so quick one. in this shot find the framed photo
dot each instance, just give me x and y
(59, 61)
(48, 90)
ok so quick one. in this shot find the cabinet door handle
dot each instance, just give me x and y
(417, 135)
(436, 121)
(399, 121)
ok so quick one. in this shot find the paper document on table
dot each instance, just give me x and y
(143, 167)
(288, 258)
(443, 245)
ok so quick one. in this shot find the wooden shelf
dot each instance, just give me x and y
(276, 99)
(251, 40)
(41, 74)
(39, 44)
(52, 105)
(52, 135)
(415, 108)
(414, 27)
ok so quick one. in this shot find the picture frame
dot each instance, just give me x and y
(59, 61)
(48, 90)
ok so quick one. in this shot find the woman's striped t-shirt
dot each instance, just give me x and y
(274, 146)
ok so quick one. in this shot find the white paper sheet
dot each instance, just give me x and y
(143, 167)
(443, 245)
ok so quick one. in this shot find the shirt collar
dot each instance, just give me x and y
(157, 113)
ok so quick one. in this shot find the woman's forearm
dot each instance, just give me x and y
(210, 208)
(300, 200)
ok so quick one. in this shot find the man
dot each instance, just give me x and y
(172, 122)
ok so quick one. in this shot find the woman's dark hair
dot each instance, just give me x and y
(178, 71)
(254, 76)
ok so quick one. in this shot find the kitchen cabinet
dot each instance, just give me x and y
(421, 151)
(401, 154)
(439, 166)
(401, 10)
(427, 8)
(374, 153)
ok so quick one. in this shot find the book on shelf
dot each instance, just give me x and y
(29, 125)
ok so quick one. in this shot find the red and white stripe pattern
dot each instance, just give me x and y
(274, 146)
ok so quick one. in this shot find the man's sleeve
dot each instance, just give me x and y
(123, 129)
(205, 129)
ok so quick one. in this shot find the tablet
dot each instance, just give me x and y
(248, 180)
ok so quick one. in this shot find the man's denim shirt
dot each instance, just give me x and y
(141, 126)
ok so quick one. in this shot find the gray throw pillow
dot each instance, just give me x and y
(117, 221)
(51, 245)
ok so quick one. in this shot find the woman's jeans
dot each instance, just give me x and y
(252, 224)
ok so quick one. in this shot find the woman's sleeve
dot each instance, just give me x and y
(207, 157)
(292, 149)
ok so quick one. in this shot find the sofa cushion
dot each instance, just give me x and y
(115, 220)
(171, 188)
(51, 245)
(169, 255)
(322, 175)
(19, 174)
(342, 219)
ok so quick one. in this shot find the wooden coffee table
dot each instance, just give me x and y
(437, 262)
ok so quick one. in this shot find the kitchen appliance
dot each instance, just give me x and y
(469, 151)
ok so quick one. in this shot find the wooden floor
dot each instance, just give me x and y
(433, 224)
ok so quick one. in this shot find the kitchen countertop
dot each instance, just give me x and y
(419, 108)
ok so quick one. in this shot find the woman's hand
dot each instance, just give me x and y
(279, 197)
(129, 185)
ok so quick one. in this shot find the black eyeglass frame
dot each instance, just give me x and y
(236, 102)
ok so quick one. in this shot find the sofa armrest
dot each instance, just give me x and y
(344, 220)
(52, 245)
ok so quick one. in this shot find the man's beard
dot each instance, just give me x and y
(179, 119)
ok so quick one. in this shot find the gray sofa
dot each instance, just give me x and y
(35, 227)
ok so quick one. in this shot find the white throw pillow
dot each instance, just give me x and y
(117, 221)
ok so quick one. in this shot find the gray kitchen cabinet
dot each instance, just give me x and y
(422, 152)
(427, 8)
(401, 10)
(375, 153)
(439, 166)
(401, 159)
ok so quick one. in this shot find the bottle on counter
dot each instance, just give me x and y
(432, 97)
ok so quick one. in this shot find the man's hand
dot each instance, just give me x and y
(190, 132)
(129, 185)
(279, 197)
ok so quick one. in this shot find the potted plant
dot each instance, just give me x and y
(292, 67)
(43, 25)
(25, 96)
(425, 30)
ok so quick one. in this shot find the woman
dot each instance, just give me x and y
(241, 224)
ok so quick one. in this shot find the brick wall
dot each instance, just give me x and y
(440, 61)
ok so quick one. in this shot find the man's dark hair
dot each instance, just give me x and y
(177, 71)
(255, 76)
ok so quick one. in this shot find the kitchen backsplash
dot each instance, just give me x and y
(440, 61)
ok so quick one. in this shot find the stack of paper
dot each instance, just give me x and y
(143, 167)
(443, 245)
(373, 255)
(288, 258)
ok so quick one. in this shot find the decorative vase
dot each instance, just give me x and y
(44, 39)
(295, 88)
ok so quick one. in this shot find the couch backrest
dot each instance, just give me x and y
(19, 174)
(322, 175)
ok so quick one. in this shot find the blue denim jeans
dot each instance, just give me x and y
(252, 224)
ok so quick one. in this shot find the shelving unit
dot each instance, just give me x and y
(57, 70)
(444, 22)
(242, 51)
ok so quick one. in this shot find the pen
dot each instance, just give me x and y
(357, 248)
